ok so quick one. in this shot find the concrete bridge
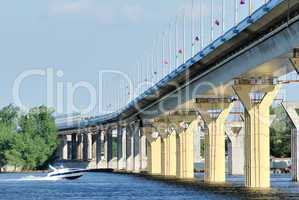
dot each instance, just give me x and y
(155, 133)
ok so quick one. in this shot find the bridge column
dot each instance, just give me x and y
(291, 108)
(129, 149)
(121, 145)
(214, 112)
(94, 146)
(185, 150)
(235, 132)
(136, 146)
(167, 137)
(164, 154)
(161, 129)
(257, 99)
(85, 146)
(109, 149)
(63, 147)
(104, 161)
(89, 146)
(79, 146)
(153, 151)
(168, 153)
(98, 142)
(143, 154)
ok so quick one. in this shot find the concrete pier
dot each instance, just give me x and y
(257, 133)
(235, 132)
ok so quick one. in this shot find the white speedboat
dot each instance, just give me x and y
(66, 173)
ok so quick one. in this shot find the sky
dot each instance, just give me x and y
(75, 40)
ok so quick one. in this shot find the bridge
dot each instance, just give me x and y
(157, 132)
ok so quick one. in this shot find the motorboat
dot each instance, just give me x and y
(65, 173)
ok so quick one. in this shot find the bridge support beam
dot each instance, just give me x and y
(214, 112)
(153, 151)
(63, 148)
(143, 153)
(109, 149)
(168, 154)
(164, 155)
(86, 145)
(257, 134)
(235, 132)
(136, 147)
(79, 146)
(98, 142)
(184, 150)
(89, 147)
(104, 161)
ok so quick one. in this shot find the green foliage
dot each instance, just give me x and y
(33, 144)
(280, 130)
(8, 116)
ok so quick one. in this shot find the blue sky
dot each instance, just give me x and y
(80, 38)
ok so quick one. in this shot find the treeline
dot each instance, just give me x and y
(27, 140)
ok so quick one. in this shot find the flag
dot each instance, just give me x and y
(196, 39)
(166, 62)
(217, 22)
(155, 73)
(180, 51)
(242, 2)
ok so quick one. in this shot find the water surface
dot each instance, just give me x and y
(127, 187)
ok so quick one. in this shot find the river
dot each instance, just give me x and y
(106, 186)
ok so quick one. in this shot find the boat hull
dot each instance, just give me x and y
(70, 175)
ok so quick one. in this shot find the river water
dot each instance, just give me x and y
(128, 187)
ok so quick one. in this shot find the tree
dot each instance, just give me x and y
(35, 142)
(8, 127)
(280, 133)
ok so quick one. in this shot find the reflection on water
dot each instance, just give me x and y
(115, 186)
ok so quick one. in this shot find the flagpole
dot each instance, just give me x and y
(149, 70)
(250, 8)
(223, 14)
(176, 42)
(169, 46)
(236, 12)
(184, 35)
(212, 22)
(192, 28)
(153, 62)
(201, 24)
(141, 75)
(162, 60)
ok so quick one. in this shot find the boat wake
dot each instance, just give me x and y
(39, 178)
(31, 178)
